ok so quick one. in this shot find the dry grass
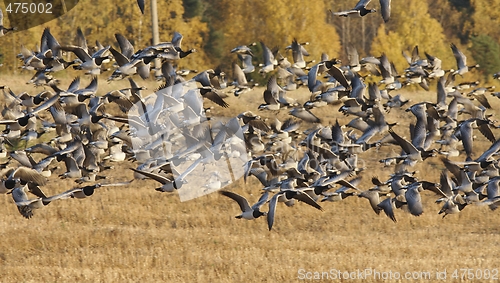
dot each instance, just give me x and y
(135, 234)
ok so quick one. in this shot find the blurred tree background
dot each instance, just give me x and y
(214, 27)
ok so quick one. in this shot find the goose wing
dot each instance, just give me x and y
(267, 54)
(29, 175)
(388, 205)
(337, 73)
(441, 93)
(262, 200)
(242, 201)
(64, 195)
(212, 94)
(272, 210)
(414, 200)
(304, 115)
(159, 178)
(78, 51)
(272, 85)
(126, 183)
(459, 57)
(385, 9)
(446, 185)
(408, 147)
(127, 49)
(361, 4)
(374, 199)
(312, 76)
(261, 175)
(466, 135)
(239, 76)
(120, 58)
(141, 4)
(307, 199)
(490, 151)
(177, 39)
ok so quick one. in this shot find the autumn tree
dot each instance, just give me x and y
(485, 18)
(192, 8)
(276, 23)
(411, 25)
(354, 31)
(100, 20)
(486, 52)
(451, 18)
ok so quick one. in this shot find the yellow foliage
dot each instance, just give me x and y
(100, 20)
(485, 18)
(411, 25)
(277, 23)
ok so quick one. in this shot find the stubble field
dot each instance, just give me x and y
(136, 234)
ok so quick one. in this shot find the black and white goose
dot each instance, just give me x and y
(247, 212)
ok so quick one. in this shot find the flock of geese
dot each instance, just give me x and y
(172, 141)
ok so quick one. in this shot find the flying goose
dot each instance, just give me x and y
(246, 63)
(23, 203)
(269, 60)
(240, 81)
(243, 49)
(285, 196)
(247, 212)
(297, 55)
(82, 192)
(128, 67)
(177, 41)
(304, 114)
(21, 175)
(461, 60)
(271, 95)
(168, 183)
(343, 192)
(214, 95)
(411, 155)
(377, 126)
(359, 10)
(453, 202)
(90, 63)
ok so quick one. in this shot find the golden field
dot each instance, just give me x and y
(136, 234)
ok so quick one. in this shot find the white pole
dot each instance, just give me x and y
(156, 35)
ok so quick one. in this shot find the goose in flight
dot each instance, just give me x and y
(82, 192)
(168, 183)
(453, 201)
(360, 10)
(461, 59)
(304, 114)
(24, 204)
(247, 212)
